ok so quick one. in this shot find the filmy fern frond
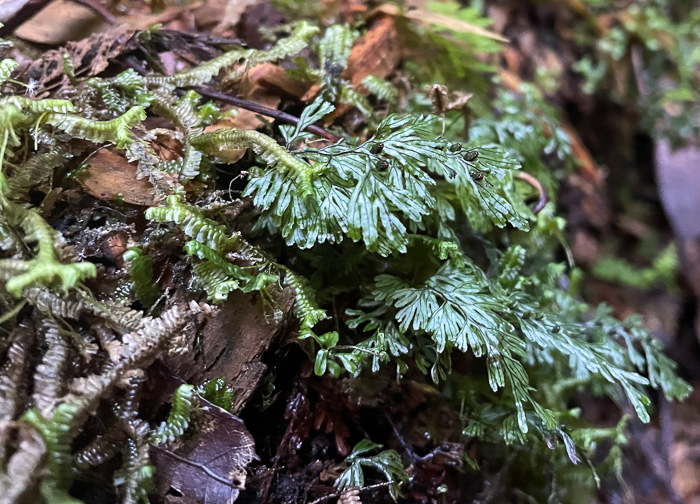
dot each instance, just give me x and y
(307, 310)
(49, 374)
(45, 269)
(455, 311)
(459, 307)
(387, 463)
(31, 106)
(374, 191)
(11, 371)
(141, 271)
(101, 449)
(237, 60)
(217, 392)
(380, 88)
(20, 112)
(58, 432)
(314, 112)
(214, 280)
(267, 148)
(131, 83)
(215, 274)
(6, 68)
(49, 303)
(185, 116)
(135, 479)
(36, 170)
(183, 400)
(193, 224)
(117, 130)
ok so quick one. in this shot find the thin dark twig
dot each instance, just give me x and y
(27, 11)
(136, 65)
(406, 445)
(99, 9)
(363, 489)
(543, 197)
(666, 431)
(266, 111)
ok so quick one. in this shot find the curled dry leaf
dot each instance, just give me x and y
(375, 53)
(442, 102)
(24, 465)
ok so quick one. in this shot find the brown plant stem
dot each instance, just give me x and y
(266, 111)
(543, 196)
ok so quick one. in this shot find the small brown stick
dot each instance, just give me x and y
(244, 104)
(363, 489)
(262, 110)
(543, 197)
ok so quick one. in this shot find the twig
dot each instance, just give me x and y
(244, 104)
(656, 460)
(266, 111)
(338, 494)
(543, 197)
(133, 63)
(27, 11)
(406, 445)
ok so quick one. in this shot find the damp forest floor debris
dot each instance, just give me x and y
(279, 251)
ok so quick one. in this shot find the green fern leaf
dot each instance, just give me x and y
(117, 130)
(193, 224)
(182, 403)
(244, 58)
(6, 68)
(217, 392)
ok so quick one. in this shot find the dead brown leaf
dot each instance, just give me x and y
(210, 464)
(90, 56)
(275, 80)
(377, 53)
(61, 21)
(110, 176)
(233, 342)
(141, 21)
